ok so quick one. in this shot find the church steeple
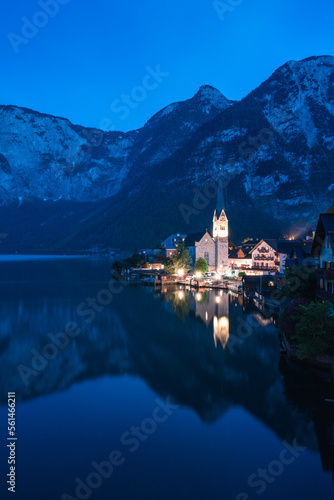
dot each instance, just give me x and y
(220, 197)
(220, 221)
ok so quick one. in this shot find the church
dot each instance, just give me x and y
(213, 247)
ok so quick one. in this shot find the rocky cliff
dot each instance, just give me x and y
(64, 187)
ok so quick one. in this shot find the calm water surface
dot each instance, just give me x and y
(187, 394)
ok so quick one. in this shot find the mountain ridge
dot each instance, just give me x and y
(274, 150)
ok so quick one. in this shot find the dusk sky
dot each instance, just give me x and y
(88, 55)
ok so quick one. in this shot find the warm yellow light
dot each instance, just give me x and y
(221, 293)
(181, 295)
(224, 322)
(206, 316)
(198, 296)
(217, 300)
(198, 274)
(221, 330)
(180, 272)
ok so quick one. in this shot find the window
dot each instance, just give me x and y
(222, 228)
(206, 256)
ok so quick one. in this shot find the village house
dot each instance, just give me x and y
(293, 252)
(238, 258)
(323, 251)
(265, 259)
(171, 243)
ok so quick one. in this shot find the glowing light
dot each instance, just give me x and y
(198, 296)
(181, 295)
(198, 274)
(180, 272)
(221, 293)
(206, 316)
(218, 276)
(221, 330)
(217, 300)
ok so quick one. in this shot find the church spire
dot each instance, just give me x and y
(220, 197)
(220, 222)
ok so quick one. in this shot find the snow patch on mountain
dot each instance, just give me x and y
(212, 97)
(169, 109)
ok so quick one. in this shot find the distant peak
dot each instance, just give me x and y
(207, 90)
(312, 60)
(320, 59)
(211, 96)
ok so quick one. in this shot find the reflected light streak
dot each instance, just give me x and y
(221, 331)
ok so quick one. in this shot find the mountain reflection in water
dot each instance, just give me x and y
(203, 350)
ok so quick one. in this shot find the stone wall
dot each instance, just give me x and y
(207, 245)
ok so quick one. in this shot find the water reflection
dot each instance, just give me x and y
(177, 340)
(209, 306)
(311, 394)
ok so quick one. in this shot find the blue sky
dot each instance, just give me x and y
(82, 61)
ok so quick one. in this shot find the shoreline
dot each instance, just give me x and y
(324, 362)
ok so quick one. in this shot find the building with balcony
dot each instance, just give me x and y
(265, 259)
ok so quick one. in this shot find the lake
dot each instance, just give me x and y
(128, 392)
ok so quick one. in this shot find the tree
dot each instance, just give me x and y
(137, 260)
(201, 265)
(315, 329)
(289, 318)
(300, 282)
(168, 265)
(179, 260)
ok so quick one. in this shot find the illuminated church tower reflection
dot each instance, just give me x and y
(213, 307)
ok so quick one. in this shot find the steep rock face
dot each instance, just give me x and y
(274, 150)
(49, 158)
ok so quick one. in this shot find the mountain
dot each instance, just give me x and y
(64, 187)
